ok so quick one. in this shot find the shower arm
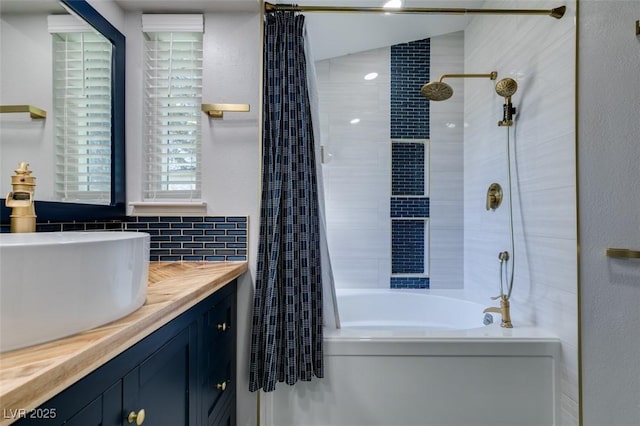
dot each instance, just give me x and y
(493, 75)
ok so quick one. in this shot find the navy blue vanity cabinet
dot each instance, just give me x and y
(183, 374)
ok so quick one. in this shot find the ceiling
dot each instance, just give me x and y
(330, 34)
(335, 34)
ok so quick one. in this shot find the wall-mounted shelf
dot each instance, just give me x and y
(34, 111)
(622, 253)
(217, 110)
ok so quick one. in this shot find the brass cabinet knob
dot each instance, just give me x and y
(222, 386)
(223, 326)
(138, 417)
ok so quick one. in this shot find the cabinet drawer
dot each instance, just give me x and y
(220, 324)
(220, 383)
(224, 414)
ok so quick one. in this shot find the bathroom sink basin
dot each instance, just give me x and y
(55, 284)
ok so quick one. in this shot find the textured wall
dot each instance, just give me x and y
(609, 158)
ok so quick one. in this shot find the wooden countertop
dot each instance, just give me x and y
(32, 375)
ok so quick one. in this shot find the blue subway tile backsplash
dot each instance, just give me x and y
(175, 238)
(194, 238)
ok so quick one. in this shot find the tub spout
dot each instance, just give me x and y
(503, 310)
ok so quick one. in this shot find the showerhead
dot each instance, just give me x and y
(440, 91)
(506, 87)
(436, 91)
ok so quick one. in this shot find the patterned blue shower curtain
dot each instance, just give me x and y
(286, 339)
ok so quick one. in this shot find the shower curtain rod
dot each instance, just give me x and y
(557, 12)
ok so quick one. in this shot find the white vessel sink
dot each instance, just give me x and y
(55, 284)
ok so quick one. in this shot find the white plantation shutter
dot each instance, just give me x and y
(82, 112)
(172, 102)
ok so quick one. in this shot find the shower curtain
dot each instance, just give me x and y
(286, 337)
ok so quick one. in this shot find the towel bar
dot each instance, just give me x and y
(622, 253)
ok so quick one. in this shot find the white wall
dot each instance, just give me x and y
(539, 52)
(26, 83)
(230, 177)
(609, 174)
(357, 175)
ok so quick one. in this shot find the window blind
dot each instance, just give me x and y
(82, 115)
(172, 102)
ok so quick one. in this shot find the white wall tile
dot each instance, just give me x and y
(357, 184)
(446, 163)
(540, 55)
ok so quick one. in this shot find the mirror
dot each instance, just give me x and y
(25, 32)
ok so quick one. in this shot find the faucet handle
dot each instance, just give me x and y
(496, 297)
(23, 169)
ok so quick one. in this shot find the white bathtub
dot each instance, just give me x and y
(407, 358)
(436, 310)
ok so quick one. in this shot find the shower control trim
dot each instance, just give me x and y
(494, 196)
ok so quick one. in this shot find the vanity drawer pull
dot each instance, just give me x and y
(221, 386)
(136, 417)
(223, 327)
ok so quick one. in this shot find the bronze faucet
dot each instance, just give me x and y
(20, 200)
(502, 310)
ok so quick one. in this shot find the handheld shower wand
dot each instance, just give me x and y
(506, 88)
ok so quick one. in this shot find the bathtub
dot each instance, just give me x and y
(433, 310)
(424, 358)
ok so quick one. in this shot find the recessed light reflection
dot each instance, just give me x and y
(450, 125)
(393, 4)
(371, 76)
(355, 121)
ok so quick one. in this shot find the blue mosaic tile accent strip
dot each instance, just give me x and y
(194, 238)
(410, 207)
(407, 168)
(409, 282)
(410, 63)
(407, 246)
